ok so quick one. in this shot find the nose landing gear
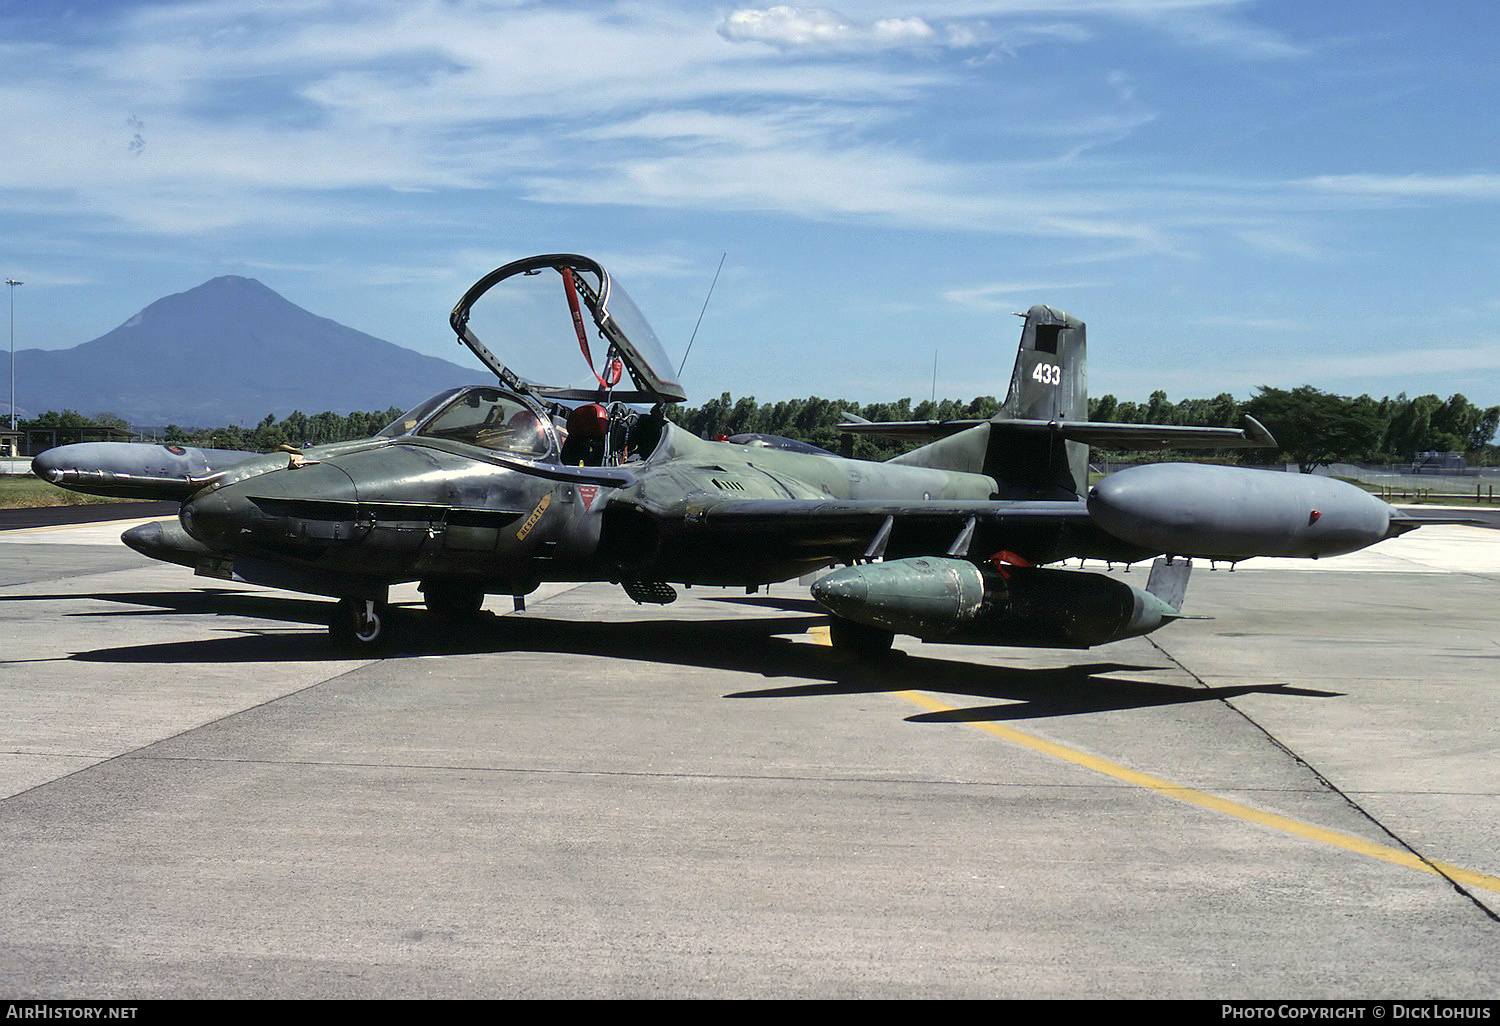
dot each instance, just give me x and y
(360, 624)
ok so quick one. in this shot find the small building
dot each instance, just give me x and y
(1438, 462)
(40, 439)
(10, 443)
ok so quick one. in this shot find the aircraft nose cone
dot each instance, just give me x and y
(145, 539)
(166, 541)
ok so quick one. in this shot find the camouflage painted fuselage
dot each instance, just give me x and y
(693, 511)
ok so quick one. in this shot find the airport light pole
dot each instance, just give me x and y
(13, 283)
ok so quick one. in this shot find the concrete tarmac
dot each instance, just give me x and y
(200, 799)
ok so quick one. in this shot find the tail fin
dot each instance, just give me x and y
(1049, 385)
(1020, 446)
(1037, 446)
(1049, 380)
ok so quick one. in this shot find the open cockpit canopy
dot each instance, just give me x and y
(578, 332)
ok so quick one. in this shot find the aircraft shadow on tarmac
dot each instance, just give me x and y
(761, 644)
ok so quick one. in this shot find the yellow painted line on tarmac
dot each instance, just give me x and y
(1202, 799)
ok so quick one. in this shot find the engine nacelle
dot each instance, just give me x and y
(938, 598)
(1190, 509)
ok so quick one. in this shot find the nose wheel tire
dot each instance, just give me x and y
(361, 625)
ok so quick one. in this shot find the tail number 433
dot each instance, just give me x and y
(1047, 374)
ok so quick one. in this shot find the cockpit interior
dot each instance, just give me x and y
(492, 418)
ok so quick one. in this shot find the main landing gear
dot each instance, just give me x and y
(858, 639)
(452, 603)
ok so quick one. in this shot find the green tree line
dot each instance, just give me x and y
(295, 429)
(1314, 428)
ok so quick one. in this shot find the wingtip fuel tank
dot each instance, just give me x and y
(134, 470)
(1232, 513)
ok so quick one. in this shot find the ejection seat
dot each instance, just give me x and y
(588, 426)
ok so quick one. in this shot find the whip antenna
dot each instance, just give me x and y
(700, 315)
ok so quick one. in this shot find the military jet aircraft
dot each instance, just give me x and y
(495, 488)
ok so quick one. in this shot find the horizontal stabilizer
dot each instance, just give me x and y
(1402, 521)
(1253, 435)
(1099, 433)
(907, 430)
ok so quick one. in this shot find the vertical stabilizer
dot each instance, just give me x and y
(1049, 384)
(1049, 381)
(1169, 580)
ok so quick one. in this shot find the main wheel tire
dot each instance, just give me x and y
(859, 639)
(452, 603)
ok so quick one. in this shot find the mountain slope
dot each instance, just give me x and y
(229, 350)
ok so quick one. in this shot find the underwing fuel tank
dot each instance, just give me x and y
(954, 601)
(1188, 509)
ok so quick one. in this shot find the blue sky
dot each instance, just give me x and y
(1230, 192)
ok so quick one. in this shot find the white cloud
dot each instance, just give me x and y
(1482, 356)
(914, 24)
(1215, 26)
(1005, 297)
(195, 117)
(1481, 186)
(1280, 243)
(819, 28)
(1266, 325)
(753, 130)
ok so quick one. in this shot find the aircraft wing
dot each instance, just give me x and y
(772, 510)
(1039, 531)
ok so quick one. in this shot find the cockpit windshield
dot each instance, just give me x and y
(488, 418)
(408, 421)
(571, 328)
